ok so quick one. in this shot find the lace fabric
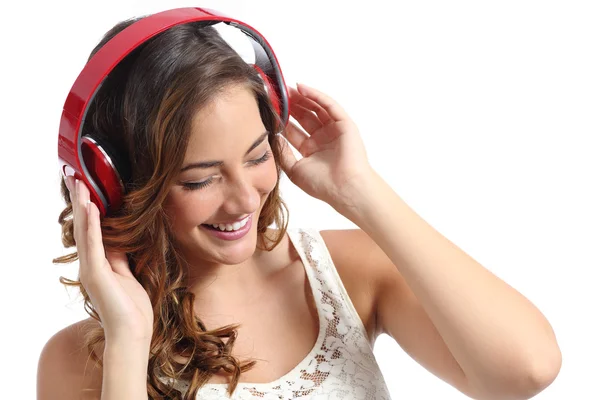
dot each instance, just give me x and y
(341, 365)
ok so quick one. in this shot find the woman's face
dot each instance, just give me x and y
(228, 172)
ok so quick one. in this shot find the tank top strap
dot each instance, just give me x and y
(328, 289)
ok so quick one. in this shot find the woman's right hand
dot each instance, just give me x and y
(121, 302)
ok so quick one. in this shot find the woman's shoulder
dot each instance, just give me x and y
(65, 367)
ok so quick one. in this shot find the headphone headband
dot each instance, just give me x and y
(106, 59)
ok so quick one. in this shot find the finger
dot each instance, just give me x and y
(80, 223)
(335, 111)
(288, 159)
(75, 208)
(305, 144)
(295, 135)
(95, 247)
(69, 182)
(297, 98)
(307, 119)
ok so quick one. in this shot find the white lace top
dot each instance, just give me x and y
(341, 364)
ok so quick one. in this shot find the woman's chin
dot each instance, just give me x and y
(233, 251)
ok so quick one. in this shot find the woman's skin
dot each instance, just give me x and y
(447, 311)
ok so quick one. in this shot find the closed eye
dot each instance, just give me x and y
(207, 182)
(261, 160)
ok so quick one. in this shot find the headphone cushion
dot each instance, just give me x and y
(106, 168)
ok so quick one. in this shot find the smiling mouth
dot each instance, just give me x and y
(228, 227)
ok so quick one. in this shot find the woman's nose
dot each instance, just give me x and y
(241, 196)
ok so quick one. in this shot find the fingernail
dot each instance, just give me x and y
(77, 187)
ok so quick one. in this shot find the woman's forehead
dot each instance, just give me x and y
(230, 121)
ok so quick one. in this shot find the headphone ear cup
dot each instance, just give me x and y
(105, 168)
(270, 90)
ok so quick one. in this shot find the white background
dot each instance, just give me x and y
(482, 115)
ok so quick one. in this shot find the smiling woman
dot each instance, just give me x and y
(208, 105)
(195, 286)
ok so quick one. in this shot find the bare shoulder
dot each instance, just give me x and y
(65, 369)
(352, 252)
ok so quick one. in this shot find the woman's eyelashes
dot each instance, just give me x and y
(207, 182)
(261, 160)
(197, 185)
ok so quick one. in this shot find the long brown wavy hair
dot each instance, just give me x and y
(144, 110)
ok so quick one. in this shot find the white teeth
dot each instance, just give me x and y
(232, 227)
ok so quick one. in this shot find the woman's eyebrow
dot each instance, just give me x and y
(211, 164)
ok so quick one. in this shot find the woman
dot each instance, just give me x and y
(196, 288)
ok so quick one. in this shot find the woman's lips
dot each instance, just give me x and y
(229, 235)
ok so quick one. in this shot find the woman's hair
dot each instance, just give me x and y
(144, 110)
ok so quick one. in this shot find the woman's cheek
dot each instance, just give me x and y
(202, 206)
(269, 177)
(188, 209)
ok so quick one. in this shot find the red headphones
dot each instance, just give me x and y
(95, 163)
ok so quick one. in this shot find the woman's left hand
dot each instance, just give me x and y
(334, 157)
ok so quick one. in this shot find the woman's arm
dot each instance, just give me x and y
(67, 372)
(125, 371)
(502, 342)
